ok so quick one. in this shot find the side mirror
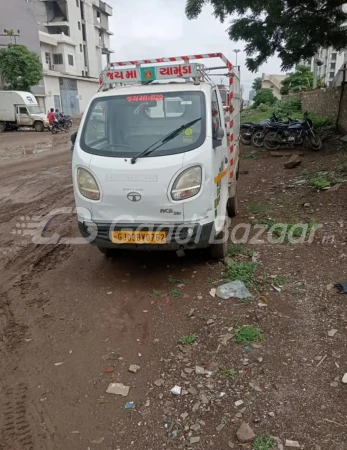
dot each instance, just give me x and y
(73, 140)
(217, 141)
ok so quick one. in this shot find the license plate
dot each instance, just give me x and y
(138, 237)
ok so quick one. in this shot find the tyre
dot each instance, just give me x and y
(245, 140)
(219, 250)
(69, 123)
(232, 206)
(54, 130)
(108, 252)
(2, 127)
(315, 143)
(258, 139)
(39, 126)
(271, 142)
(66, 127)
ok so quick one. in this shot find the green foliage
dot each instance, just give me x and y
(264, 108)
(257, 83)
(189, 339)
(155, 293)
(289, 107)
(176, 293)
(263, 443)
(243, 271)
(321, 123)
(228, 373)
(252, 156)
(235, 250)
(292, 29)
(20, 68)
(325, 179)
(247, 334)
(299, 80)
(265, 96)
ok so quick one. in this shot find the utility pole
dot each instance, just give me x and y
(236, 51)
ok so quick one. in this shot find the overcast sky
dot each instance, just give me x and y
(157, 28)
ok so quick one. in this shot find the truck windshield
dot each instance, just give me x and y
(124, 126)
(35, 109)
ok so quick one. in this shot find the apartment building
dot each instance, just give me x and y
(273, 82)
(74, 41)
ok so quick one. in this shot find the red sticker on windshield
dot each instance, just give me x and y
(145, 98)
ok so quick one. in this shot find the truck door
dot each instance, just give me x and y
(23, 118)
(220, 160)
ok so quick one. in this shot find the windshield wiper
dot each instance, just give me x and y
(164, 140)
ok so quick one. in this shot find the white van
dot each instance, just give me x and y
(152, 167)
(20, 109)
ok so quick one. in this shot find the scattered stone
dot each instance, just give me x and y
(334, 384)
(195, 440)
(293, 161)
(239, 403)
(203, 399)
(245, 433)
(184, 416)
(289, 443)
(199, 370)
(159, 382)
(344, 138)
(271, 414)
(118, 389)
(58, 364)
(231, 445)
(195, 427)
(213, 292)
(134, 368)
(330, 286)
(188, 370)
(260, 360)
(98, 441)
(210, 322)
(344, 379)
(307, 205)
(226, 338)
(255, 385)
(220, 427)
(196, 407)
(211, 368)
(191, 312)
(109, 369)
(238, 415)
(176, 390)
(331, 333)
(192, 391)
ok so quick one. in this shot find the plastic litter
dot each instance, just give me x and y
(129, 405)
(341, 287)
(236, 289)
(176, 390)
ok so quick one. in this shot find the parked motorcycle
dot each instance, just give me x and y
(67, 119)
(279, 135)
(249, 128)
(257, 139)
(59, 126)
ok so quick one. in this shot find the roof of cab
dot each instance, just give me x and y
(137, 89)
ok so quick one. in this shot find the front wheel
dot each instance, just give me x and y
(2, 127)
(39, 126)
(271, 142)
(54, 130)
(232, 206)
(218, 250)
(244, 139)
(315, 142)
(69, 123)
(258, 139)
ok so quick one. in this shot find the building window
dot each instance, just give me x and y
(78, 3)
(79, 25)
(81, 48)
(48, 58)
(82, 73)
(70, 59)
(84, 34)
(333, 56)
(332, 66)
(332, 75)
(58, 58)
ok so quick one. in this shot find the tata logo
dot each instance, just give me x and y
(30, 99)
(134, 197)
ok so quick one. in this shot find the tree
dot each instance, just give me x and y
(257, 83)
(20, 68)
(295, 29)
(299, 80)
(265, 96)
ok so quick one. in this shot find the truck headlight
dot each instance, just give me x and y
(187, 184)
(87, 184)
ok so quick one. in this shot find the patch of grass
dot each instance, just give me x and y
(188, 340)
(175, 293)
(209, 280)
(248, 300)
(228, 373)
(263, 443)
(342, 168)
(243, 271)
(325, 179)
(155, 293)
(252, 156)
(247, 334)
(172, 279)
(184, 281)
(256, 208)
(238, 250)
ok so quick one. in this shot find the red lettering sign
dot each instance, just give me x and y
(145, 98)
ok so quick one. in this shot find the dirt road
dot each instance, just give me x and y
(72, 322)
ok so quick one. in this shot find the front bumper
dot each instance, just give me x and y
(179, 236)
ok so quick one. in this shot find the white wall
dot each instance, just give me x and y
(86, 91)
(52, 88)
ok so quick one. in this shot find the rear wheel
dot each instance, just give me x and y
(258, 139)
(2, 127)
(108, 252)
(39, 126)
(271, 142)
(219, 250)
(54, 130)
(232, 206)
(315, 142)
(244, 139)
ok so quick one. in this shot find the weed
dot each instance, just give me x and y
(243, 271)
(189, 339)
(256, 208)
(252, 156)
(172, 279)
(184, 281)
(325, 179)
(176, 293)
(343, 168)
(155, 293)
(247, 334)
(263, 443)
(210, 280)
(228, 373)
(238, 250)
(248, 300)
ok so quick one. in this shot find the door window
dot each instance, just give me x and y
(23, 110)
(216, 118)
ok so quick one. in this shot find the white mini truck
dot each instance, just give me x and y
(153, 166)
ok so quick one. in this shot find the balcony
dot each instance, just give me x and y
(101, 27)
(103, 7)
